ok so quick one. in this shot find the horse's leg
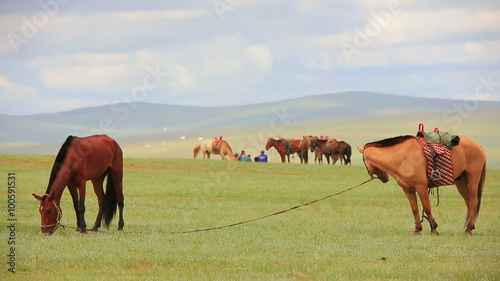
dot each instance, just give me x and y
(283, 160)
(423, 194)
(208, 155)
(463, 189)
(118, 180)
(74, 196)
(467, 186)
(82, 225)
(99, 191)
(412, 198)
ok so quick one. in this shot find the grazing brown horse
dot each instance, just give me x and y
(402, 158)
(285, 147)
(218, 146)
(341, 150)
(79, 160)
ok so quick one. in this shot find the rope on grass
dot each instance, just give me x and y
(273, 214)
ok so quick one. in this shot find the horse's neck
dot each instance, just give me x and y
(59, 183)
(389, 159)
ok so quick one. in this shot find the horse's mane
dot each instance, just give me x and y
(389, 141)
(61, 155)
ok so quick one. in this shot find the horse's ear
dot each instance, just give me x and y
(361, 149)
(38, 197)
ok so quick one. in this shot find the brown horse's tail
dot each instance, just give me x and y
(196, 150)
(348, 153)
(480, 189)
(110, 202)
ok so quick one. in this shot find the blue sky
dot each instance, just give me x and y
(58, 55)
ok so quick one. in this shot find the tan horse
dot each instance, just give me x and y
(402, 158)
(305, 144)
(208, 147)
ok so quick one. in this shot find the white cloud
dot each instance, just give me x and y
(18, 99)
(158, 15)
(426, 54)
(436, 26)
(206, 66)
(411, 28)
(417, 38)
(13, 91)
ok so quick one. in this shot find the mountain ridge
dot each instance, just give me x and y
(134, 119)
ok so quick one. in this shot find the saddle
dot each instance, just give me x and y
(437, 151)
(288, 146)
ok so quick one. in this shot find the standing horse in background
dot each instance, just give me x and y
(341, 150)
(322, 147)
(305, 145)
(402, 158)
(218, 146)
(79, 160)
(285, 147)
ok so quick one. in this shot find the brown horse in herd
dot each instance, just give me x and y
(341, 150)
(329, 147)
(79, 160)
(285, 147)
(402, 158)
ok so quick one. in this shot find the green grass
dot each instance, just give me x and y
(364, 234)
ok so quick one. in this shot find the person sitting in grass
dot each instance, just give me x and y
(246, 158)
(262, 157)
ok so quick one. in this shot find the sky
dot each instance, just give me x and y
(58, 55)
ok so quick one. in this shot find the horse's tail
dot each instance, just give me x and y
(196, 150)
(480, 189)
(348, 153)
(110, 202)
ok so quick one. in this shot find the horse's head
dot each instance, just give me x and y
(270, 142)
(50, 213)
(313, 143)
(372, 168)
(304, 143)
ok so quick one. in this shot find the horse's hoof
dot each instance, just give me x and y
(435, 233)
(415, 233)
(468, 232)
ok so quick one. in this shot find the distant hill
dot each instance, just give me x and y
(137, 119)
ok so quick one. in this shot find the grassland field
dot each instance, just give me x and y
(363, 234)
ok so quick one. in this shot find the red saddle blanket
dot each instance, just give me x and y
(442, 174)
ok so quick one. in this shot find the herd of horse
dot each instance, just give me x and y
(321, 146)
(96, 157)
